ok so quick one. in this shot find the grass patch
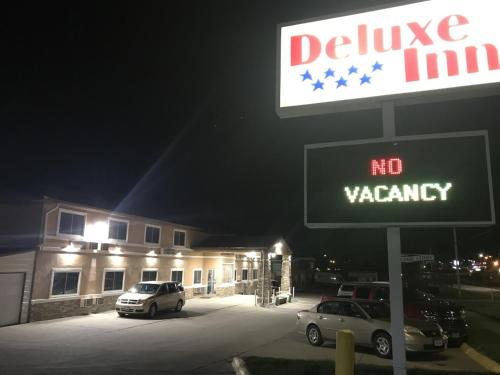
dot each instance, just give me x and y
(280, 366)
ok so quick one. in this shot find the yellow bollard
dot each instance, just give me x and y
(344, 356)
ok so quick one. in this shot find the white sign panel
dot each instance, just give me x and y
(415, 48)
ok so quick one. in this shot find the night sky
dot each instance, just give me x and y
(166, 109)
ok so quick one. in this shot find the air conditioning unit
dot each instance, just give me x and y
(98, 300)
(86, 302)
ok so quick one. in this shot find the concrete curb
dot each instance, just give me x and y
(483, 360)
(239, 366)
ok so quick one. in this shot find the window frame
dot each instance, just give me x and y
(185, 239)
(110, 219)
(104, 279)
(72, 212)
(201, 277)
(177, 269)
(159, 235)
(149, 270)
(242, 271)
(231, 273)
(256, 274)
(65, 270)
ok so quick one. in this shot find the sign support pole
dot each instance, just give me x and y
(458, 262)
(394, 256)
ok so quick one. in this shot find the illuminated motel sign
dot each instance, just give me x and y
(442, 180)
(355, 61)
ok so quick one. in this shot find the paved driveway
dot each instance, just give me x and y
(202, 339)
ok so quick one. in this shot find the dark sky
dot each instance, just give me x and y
(167, 109)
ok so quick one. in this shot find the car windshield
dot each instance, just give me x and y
(144, 288)
(376, 310)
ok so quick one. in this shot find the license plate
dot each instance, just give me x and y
(438, 342)
(455, 335)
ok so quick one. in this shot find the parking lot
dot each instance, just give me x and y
(203, 338)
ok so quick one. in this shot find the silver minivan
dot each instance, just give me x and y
(149, 297)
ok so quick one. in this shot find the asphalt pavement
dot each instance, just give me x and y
(201, 339)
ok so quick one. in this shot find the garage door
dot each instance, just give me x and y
(11, 294)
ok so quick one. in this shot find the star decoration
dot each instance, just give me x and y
(377, 66)
(329, 73)
(365, 79)
(353, 70)
(306, 75)
(341, 82)
(318, 85)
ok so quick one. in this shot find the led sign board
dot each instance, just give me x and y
(356, 61)
(442, 180)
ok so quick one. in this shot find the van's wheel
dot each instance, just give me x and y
(121, 315)
(152, 311)
(383, 345)
(314, 335)
(178, 307)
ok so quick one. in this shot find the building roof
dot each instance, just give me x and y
(238, 242)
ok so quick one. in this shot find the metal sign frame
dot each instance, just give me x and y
(403, 224)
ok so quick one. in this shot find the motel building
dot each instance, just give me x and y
(60, 259)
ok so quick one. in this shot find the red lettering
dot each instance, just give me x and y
(395, 166)
(471, 58)
(331, 47)
(445, 25)
(395, 39)
(296, 53)
(411, 65)
(382, 167)
(377, 167)
(362, 40)
(420, 33)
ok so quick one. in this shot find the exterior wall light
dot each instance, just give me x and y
(72, 248)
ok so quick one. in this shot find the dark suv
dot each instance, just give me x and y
(419, 305)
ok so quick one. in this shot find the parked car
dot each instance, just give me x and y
(417, 305)
(150, 297)
(370, 323)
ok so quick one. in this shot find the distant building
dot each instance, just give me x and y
(61, 259)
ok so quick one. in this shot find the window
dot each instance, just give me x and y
(149, 275)
(179, 238)
(227, 273)
(177, 275)
(244, 274)
(255, 274)
(329, 308)
(118, 230)
(350, 309)
(71, 223)
(65, 282)
(235, 275)
(197, 277)
(113, 280)
(152, 234)
(381, 294)
(362, 292)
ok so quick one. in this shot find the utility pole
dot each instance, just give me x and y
(458, 262)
